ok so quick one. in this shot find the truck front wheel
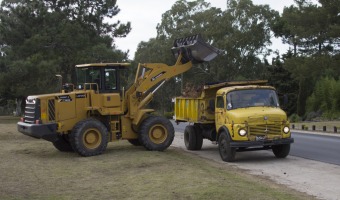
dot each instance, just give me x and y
(89, 137)
(281, 151)
(156, 133)
(227, 153)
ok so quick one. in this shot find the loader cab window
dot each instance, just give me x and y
(105, 78)
(110, 79)
(88, 75)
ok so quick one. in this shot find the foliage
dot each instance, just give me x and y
(287, 87)
(313, 33)
(243, 31)
(325, 98)
(294, 118)
(39, 39)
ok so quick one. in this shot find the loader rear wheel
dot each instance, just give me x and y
(193, 139)
(62, 144)
(89, 137)
(156, 133)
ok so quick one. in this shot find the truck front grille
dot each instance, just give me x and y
(265, 129)
(32, 111)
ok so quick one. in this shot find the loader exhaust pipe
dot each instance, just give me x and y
(194, 49)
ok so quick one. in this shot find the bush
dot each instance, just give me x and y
(294, 118)
(169, 115)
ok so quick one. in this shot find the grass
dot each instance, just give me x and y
(9, 119)
(34, 169)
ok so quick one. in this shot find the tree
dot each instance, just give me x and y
(287, 87)
(39, 39)
(243, 31)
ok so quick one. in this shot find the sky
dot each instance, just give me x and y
(145, 15)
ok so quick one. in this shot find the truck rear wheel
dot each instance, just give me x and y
(193, 139)
(156, 133)
(281, 151)
(62, 144)
(89, 137)
(227, 153)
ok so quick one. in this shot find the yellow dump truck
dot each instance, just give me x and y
(238, 116)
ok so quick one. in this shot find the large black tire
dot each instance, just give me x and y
(193, 139)
(135, 142)
(89, 137)
(199, 138)
(63, 144)
(156, 133)
(227, 153)
(281, 151)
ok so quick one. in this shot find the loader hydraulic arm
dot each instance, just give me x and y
(149, 76)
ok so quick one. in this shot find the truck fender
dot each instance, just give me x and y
(223, 129)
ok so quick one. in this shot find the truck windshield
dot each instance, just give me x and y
(252, 98)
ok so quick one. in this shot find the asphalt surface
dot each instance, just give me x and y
(317, 178)
(318, 147)
(314, 146)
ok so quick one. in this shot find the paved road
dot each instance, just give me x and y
(316, 147)
(321, 148)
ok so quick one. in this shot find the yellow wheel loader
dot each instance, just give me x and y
(86, 116)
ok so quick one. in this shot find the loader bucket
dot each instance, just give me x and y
(194, 49)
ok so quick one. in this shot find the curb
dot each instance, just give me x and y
(316, 133)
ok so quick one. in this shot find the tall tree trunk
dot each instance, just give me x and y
(18, 110)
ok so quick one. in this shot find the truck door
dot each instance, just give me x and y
(220, 111)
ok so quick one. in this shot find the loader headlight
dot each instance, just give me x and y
(242, 132)
(286, 129)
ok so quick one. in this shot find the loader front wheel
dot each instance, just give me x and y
(89, 137)
(156, 133)
(63, 144)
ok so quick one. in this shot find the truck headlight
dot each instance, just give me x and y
(242, 132)
(286, 129)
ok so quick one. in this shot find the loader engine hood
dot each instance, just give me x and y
(257, 115)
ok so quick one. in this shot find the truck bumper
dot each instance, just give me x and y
(40, 131)
(261, 143)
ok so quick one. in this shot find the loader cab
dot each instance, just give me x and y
(101, 77)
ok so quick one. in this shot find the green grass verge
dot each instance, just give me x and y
(34, 169)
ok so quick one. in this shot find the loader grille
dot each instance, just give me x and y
(51, 109)
(32, 111)
(265, 129)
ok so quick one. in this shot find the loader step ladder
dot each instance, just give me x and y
(115, 129)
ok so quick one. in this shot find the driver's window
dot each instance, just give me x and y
(219, 102)
(110, 79)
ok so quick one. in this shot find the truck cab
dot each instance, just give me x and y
(239, 116)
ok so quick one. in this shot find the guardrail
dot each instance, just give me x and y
(328, 129)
